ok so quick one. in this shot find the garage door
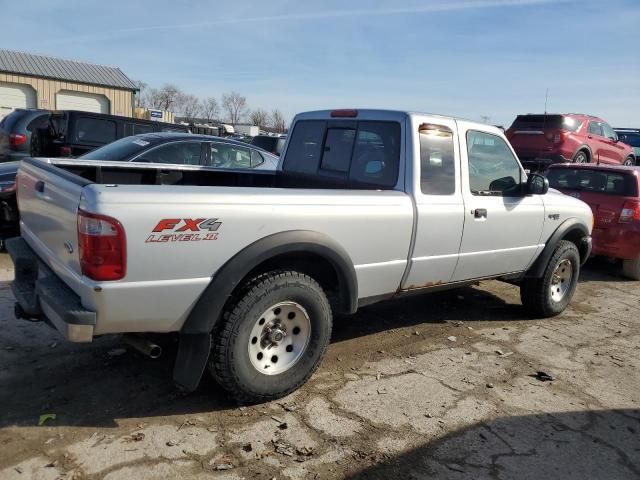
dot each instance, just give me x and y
(13, 95)
(86, 102)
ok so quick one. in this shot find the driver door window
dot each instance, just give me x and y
(493, 169)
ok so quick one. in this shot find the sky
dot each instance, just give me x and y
(466, 58)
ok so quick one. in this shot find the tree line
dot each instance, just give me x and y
(232, 107)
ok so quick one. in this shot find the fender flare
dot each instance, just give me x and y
(195, 335)
(571, 226)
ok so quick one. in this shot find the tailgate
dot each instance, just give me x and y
(48, 199)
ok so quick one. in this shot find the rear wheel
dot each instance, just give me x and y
(272, 337)
(581, 157)
(631, 268)
(629, 161)
(549, 295)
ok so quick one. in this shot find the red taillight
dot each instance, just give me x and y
(345, 113)
(630, 211)
(17, 139)
(102, 246)
(65, 151)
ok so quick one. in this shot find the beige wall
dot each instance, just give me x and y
(120, 101)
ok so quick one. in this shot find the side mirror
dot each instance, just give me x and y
(537, 184)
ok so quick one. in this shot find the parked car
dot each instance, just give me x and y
(167, 148)
(185, 149)
(71, 133)
(630, 136)
(270, 143)
(612, 192)
(545, 139)
(250, 266)
(15, 132)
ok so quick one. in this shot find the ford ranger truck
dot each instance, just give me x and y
(250, 267)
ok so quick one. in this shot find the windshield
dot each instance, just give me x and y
(119, 150)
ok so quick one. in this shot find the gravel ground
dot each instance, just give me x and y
(435, 386)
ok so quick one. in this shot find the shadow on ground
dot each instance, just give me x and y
(564, 446)
(86, 385)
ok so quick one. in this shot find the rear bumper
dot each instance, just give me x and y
(618, 241)
(541, 162)
(41, 294)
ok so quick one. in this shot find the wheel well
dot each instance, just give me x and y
(585, 150)
(314, 265)
(575, 236)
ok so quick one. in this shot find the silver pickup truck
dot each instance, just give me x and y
(250, 267)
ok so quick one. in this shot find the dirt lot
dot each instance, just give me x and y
(437, 386)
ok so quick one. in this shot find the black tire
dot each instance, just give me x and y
(535, 293)
(629, 161)
(229, 363)
(581, 157)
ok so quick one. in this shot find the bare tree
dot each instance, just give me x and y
(259, 117)
(188, 106)
(235, 105)
(165, 98)
(278, 122)
(210, 109)
(142, 94)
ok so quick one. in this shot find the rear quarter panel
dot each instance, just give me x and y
(166, 274)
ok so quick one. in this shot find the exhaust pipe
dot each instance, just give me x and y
(143, 345)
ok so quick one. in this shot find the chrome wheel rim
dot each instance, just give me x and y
(581, 158)
(561, 280)
(628, 162)
(279, 338)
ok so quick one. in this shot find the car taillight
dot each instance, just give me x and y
(17, 139)
(630, 211)
(102, 246)
(65, 151)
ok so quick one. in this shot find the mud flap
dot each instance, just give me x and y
(193, 354)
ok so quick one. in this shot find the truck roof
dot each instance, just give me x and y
(377, 114)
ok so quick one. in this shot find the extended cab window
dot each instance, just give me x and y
(437, 160)
(493, 169)
(366, 152)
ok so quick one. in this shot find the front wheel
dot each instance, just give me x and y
(272, 337)
(629, 162)
(549, 295)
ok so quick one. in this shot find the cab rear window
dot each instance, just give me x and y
(353, 152)
(596, 181)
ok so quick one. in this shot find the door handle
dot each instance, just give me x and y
(480, 213)
(39, 186)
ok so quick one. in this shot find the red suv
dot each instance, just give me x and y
(541, 140)
(612, 192)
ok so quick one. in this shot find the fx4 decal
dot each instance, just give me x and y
(185, 230)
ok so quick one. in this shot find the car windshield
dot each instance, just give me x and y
(119, 150)
(632, 139)
(596, 181)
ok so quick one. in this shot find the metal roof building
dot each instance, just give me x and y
(38, 81)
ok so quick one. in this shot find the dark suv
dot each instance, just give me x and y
(71, 133)
(544, 139)
(15, 132)
(269, 143)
